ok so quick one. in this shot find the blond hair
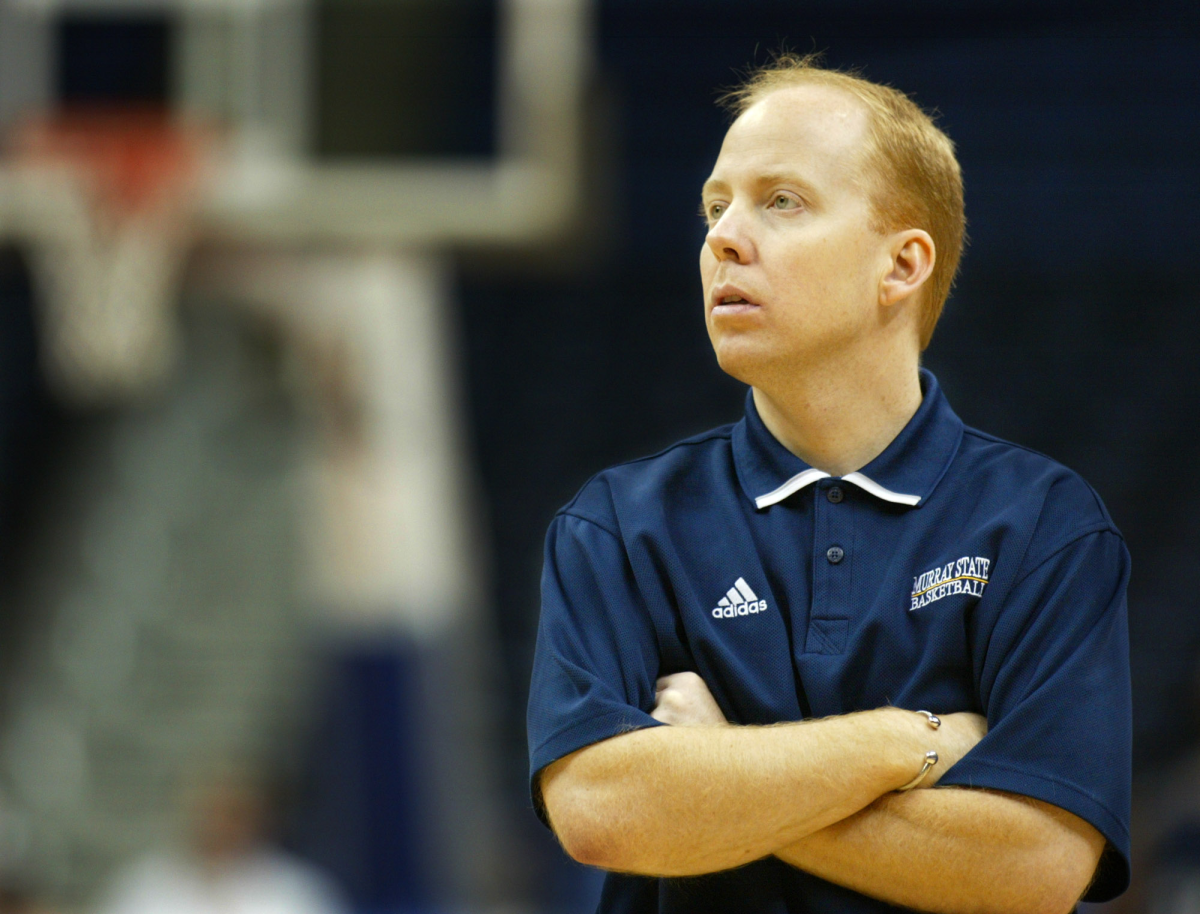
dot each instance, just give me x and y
(917, 180)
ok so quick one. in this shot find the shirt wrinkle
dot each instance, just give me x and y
(578, 515)
(1067, 543)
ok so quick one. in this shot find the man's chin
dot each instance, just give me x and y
(766, 366)
(745, 361)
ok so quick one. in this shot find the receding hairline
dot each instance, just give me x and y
(866, 142)
(834, 87)
(795, 72)
(862, 144)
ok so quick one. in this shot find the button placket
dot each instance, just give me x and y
(829, 614)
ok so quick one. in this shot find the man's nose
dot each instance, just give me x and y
(729, 238)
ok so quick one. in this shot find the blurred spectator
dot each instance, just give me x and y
(22, 877)
(16, 900)
(227, 865)
(18, 894)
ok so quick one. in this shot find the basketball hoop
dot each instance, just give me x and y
(108, 196)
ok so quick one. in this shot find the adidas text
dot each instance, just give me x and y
(739, 609)
(739, 600)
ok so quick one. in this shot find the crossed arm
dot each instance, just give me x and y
(702, 795)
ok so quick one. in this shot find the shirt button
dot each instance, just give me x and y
(835, 554)
(835, 494)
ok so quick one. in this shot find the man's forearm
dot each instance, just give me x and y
(957, 851)
(676, 801)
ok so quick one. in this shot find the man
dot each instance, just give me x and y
(742, 637)
(227, 865)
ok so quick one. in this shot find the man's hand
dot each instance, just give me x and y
(683, 700)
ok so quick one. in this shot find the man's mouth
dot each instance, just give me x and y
(731, 297)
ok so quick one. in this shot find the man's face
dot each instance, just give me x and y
(791, 266)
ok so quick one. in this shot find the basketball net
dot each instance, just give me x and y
(110, 195)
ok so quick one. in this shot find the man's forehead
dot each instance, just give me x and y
(796, 128)
(806, 103)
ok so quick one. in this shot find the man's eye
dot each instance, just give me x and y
(714, 211)
(783, 201)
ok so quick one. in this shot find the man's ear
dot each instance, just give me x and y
(912, 258)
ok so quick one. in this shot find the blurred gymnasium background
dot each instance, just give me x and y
(313, 311)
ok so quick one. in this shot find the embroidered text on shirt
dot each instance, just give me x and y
(967, 575)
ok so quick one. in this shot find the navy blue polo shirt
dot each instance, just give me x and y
(955, 572)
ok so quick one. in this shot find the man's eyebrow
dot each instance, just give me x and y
(782, 177)
(716, 185)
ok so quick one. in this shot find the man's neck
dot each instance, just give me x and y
(840, 420)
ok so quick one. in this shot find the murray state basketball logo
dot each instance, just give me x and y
(967, 575)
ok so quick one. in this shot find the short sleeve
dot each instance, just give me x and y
(1054, 680)
(597, 656)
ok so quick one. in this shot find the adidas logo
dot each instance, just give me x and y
(739, 600)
